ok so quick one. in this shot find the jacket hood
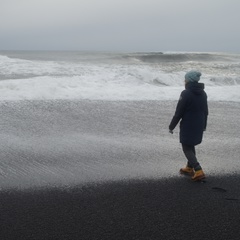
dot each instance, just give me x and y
(195, 87)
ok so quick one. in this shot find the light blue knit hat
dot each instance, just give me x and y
(192, 76)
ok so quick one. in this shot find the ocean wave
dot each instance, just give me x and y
(225, 81)
(132, 76)
(75, 88)
(182, 57)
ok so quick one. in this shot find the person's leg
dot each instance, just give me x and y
(190, 154)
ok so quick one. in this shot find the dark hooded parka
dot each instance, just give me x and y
(192, 110)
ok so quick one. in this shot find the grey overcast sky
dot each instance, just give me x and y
(120, 25)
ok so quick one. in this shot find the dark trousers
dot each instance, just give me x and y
(190, 153)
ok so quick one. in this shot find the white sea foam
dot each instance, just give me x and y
(121, 77)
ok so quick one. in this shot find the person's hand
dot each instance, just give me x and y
(170, 131)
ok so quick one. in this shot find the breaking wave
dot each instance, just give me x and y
(112, 76)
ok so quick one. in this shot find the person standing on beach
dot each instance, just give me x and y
(192, 110)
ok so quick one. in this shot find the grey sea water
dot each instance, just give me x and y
(114, 76)
(65, 143)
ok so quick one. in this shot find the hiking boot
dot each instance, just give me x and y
(199, 175)
(187, 171)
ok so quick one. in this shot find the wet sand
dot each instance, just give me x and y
(148, 209)
(109, 170)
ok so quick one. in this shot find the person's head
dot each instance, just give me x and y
(192, 76)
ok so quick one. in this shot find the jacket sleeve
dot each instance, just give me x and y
(179, 110)
(206, 114)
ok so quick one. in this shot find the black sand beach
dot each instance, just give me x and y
(160, 209)
(109, 170)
